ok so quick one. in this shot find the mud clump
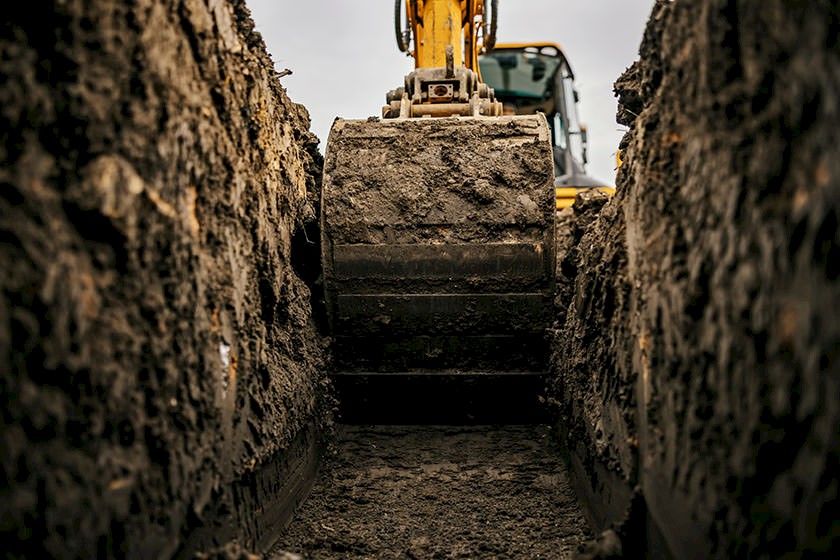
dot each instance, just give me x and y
(157, 346)
(705, 311)
(431, 181)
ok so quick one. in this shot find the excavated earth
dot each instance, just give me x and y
(163, 376)
(697, 360)
(440, 492)
(160, 372)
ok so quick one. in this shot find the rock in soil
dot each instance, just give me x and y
(440, 492)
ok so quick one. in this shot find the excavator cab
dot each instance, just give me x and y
(536, 77)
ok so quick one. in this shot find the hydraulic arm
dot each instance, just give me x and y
(445, 38)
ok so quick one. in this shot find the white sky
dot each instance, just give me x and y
(344, 57)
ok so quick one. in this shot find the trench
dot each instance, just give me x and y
(165, 372)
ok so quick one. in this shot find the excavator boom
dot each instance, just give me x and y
(435, 24)
(448, 36)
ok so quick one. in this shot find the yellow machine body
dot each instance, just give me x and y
(445, 38)
(437, 24)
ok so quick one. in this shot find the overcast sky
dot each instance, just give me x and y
(344, 57)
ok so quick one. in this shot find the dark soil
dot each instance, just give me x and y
(698, 358)
(155, 342)
(413, 181)
(440, 492)
(161, 377)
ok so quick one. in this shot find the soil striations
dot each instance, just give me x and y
(440, 492)
(156, 344)
(701, 346)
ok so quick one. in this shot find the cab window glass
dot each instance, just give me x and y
(524, 74)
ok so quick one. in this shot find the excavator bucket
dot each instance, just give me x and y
(438, 256)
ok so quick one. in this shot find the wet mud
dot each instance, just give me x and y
(437, 233)
(440, 492)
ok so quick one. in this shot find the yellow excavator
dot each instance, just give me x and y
(437, 230)
(537, 77)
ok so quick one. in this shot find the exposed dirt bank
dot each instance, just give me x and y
(160, 373)
(700, 355)
(440, 492)
(156, 344)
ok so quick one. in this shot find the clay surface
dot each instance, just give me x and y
(440, 492)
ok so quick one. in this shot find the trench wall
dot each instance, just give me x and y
(157, 354)
(698, 358)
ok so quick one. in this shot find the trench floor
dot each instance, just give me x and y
(428, 492)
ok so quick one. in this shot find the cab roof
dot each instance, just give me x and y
(538, 47)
